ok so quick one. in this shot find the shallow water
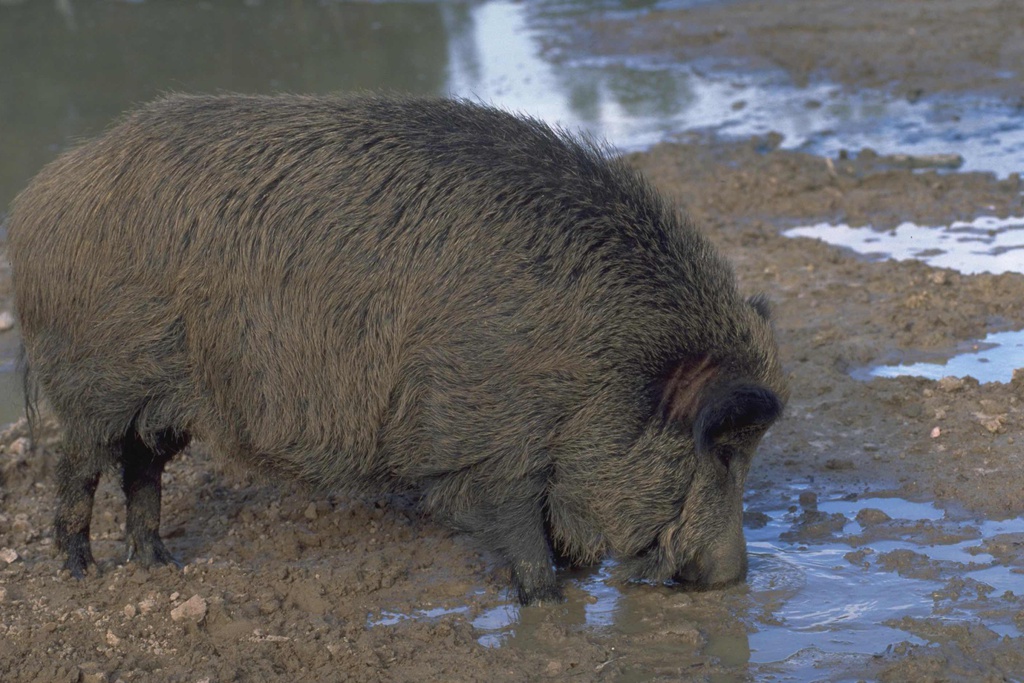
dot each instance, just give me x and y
(987, 244)
(822, 588)
(992, 359)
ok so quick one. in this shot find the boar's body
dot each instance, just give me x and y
(382, 293)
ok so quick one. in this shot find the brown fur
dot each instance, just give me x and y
(388, 293)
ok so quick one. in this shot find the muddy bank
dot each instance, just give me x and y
(913, 47)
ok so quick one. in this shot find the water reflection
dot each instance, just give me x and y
(70, 68)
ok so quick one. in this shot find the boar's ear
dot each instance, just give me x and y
(761, 304)
(736, 407)
(683, 391)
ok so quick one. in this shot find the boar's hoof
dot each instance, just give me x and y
(79, 556)
(546, 594)
(536, 586)
(150, 552)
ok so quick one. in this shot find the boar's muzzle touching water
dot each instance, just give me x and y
(381, 293)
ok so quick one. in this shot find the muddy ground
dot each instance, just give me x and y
(283, 584)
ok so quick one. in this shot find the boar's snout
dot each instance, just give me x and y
(720, 567)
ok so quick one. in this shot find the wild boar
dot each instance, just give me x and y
(388, 293)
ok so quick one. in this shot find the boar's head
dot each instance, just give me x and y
(669, 505)
(712, 412)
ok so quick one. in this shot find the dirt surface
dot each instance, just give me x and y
(283, 584)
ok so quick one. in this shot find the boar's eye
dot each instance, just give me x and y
(725, 454)
(738, 407)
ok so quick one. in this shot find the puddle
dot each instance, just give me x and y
(636, 103)
(386, 618)
(992, 359)
(985, 245)
(815, 594)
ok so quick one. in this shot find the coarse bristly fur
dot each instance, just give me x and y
(379, 292)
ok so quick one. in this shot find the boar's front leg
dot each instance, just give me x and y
(515, 530)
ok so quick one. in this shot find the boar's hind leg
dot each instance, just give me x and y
(77, 477)
(143, 467)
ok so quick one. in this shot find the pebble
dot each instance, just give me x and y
(8, 555)
(951, 384)
(91, 672)
(808, 499)
(112, 639)
(869, 516)
(310, 512)
(147, 605)
(839, 464)
(130, 611)
(6, 321)
(193, 609)
(20, 446)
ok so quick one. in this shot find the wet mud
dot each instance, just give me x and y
(885, 515)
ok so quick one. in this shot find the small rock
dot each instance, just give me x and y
(19, 446)
(21, 525)
(992, 423)
(193, 609)
(310, 512)
(755, 520)
(112, 639)
(951, 384)
(839, 464)
(175, 595)
(6, 321)
(91, 672)
(130, 611)
(147, 605)
(936, 433)
(857, 557)
(869, 516)
(8, 555)
(808, 499)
